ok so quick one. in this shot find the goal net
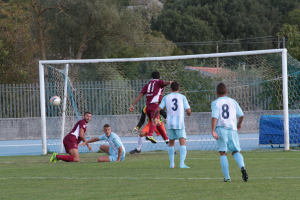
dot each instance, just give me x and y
(265, 83)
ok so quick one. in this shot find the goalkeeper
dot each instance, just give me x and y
(145, 130)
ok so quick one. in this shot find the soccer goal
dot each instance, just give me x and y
(266, 84)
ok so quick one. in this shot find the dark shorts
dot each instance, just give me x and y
(70, 142)
(150, 110)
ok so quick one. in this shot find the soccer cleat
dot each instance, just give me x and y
(135, 151)
(172, 166)
(167, 141)
(53, 158)
(244, 174)
(175, 153)
(151, 139)
(183, 166)
(226, 180)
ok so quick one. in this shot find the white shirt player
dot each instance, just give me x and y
(114, 143)
(176, 105)
(225, 110)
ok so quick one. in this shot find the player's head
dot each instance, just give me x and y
(175, 86)
(155, 75)
(107, 130)
(221, 89)
(87, 116)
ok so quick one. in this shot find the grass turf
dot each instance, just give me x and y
(272, 175)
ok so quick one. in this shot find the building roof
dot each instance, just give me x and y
(213, 71)
(144, 2)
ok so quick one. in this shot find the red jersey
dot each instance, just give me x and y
(153, 91)
(75, 131)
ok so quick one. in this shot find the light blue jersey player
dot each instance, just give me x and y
(224, 130)
(176, 105)
(115, 149)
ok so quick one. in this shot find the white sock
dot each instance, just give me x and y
(140, 142)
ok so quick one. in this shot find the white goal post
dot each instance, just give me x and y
(68, 63)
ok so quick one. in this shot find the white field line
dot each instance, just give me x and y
(139, 178)
(141, 159)
(126, 142)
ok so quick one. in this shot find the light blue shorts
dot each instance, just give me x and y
(114, 158)
(228, 140)
(175, 134)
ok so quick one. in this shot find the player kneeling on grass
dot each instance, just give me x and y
(115, 149)
(72, 140)
(176, 105)
(224, 130)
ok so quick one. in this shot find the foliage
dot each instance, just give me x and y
(198, 21)
(293, 42)
(18, 51)
(294, 17)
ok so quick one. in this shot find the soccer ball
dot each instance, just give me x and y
(55, 100)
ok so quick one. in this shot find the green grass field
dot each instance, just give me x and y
(272, 175)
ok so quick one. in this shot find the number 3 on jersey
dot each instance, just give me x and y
(225, 111)
(175, 104)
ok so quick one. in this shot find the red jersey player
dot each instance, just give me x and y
(72, 140)
(153, 91)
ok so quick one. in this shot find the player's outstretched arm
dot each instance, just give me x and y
(119, 154)
(239, 124)
(81, 135)
(213, 127)
(167, 83)
(188, 112)
(89, 141)
(135, 101)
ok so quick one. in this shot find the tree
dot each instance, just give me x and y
(94, 29)
(17, 48)
(39, 8)
(294, 17)
(293, 42)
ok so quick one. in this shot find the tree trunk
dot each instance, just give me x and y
(84, 37)
(40, 28)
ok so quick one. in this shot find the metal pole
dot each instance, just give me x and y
(217, 58)
(283, 42)
(43, 109)
(64, 108)
(285, 100)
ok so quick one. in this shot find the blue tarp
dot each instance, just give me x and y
(271, 129)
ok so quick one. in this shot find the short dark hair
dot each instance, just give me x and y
(87, 112)
(175, 86)
(155, 75)
(106, 125)
(221, 88)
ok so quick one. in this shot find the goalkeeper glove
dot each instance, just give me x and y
(135, 129)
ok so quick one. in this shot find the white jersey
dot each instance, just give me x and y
(225, 110)
(176, 105)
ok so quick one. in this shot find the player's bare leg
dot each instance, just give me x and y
(75, 154)
(72, 157)
(240, 161)
(104, 148)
